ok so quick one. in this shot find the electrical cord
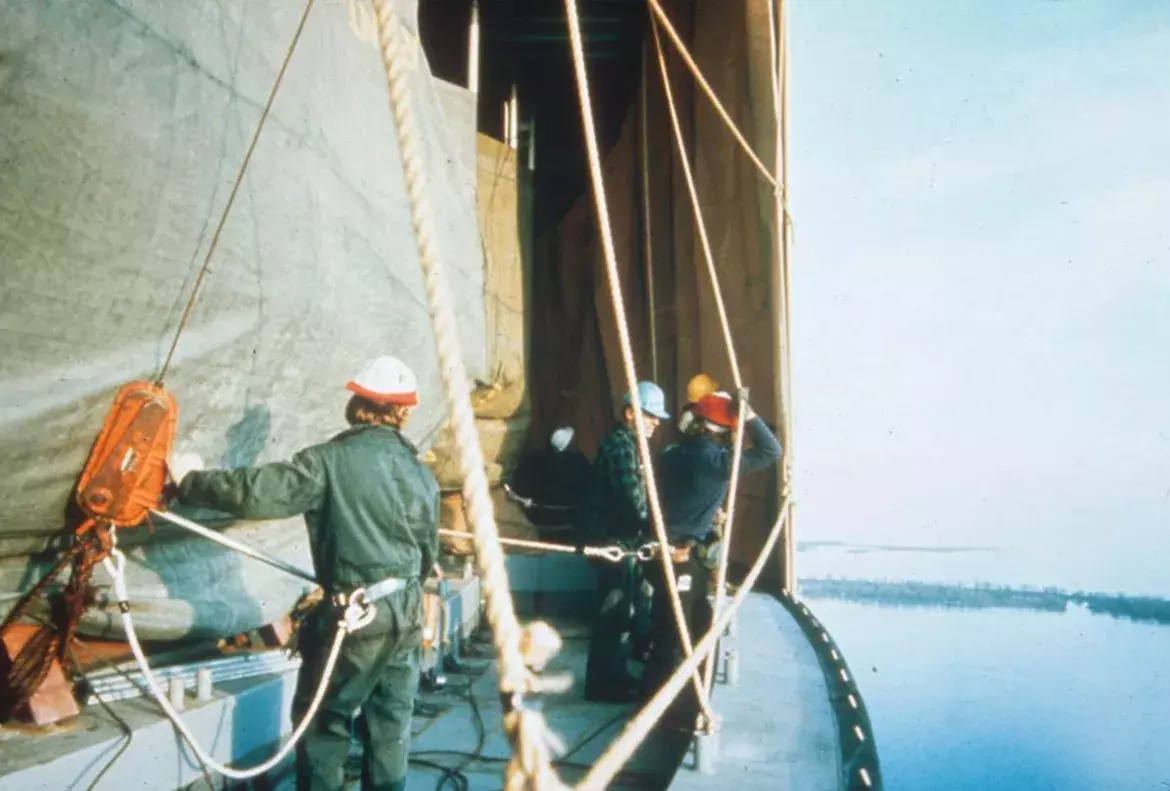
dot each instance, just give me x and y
(456, 774)
(127, 731)
(564, 759)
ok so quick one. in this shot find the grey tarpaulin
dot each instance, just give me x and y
(122, 125)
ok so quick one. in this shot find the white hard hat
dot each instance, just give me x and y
(386, 380)
(561, 438)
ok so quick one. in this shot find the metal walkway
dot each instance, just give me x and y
(779, 731)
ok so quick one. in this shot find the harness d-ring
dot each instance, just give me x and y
(646, 552)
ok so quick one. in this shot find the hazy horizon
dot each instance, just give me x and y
(982, 287)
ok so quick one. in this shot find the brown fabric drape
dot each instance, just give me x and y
(577, 372)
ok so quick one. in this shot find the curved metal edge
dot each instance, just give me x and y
(860, 767)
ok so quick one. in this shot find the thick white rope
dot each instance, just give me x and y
(700, 223)
(648, 225)
(686, 56)
(615, 293)
(358, 615)
(531, 767)
(638, 729)
(725, 553)
(778, 25)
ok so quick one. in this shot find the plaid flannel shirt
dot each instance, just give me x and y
(619, 500)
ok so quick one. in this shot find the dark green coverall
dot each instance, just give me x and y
(372, 510)
(617, 511)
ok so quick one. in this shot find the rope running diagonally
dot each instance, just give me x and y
(531, 765)
(623, 747)
(719, 108)
(717, 290)
(232, 196)
(615, 292)
(700, 224)
(725, 554)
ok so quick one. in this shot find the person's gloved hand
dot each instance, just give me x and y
(748, 412)
(183, 463)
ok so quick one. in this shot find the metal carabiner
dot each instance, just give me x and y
(359, 611)
(647, 551)
(612, 554)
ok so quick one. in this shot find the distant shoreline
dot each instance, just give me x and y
(1141, 609)
(808, 546)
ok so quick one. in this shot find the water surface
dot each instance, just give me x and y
(1008, 699)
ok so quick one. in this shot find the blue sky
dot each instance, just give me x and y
(981, 194)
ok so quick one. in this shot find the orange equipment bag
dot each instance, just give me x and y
(127, 468)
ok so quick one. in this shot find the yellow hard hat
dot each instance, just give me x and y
(700, 386)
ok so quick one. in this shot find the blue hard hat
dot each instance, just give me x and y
(653, 400)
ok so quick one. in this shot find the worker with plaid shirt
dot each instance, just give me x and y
(617, 512)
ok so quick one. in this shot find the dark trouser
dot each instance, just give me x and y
(667, 653)
(376, 673)
(622, 620)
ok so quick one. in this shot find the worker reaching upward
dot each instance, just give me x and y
(618, 512)
(372, 510)
(695, 474)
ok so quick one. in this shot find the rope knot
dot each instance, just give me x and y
(539, 643)
(533, 745)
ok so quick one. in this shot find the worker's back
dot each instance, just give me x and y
(694, 483)
(380, 512)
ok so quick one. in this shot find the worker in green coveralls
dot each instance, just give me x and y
(372, 510)
(618, 512)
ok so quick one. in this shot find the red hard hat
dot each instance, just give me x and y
(718, 409)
